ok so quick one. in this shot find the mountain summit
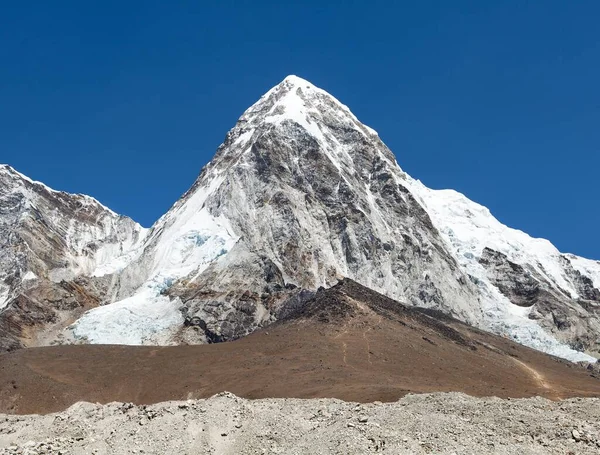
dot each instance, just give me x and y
(299, 196)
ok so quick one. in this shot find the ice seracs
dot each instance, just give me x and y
(147, 317)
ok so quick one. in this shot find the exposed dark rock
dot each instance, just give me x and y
(572, 320)
(516, 283)
(583, 284)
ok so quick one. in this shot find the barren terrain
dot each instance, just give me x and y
(225, 424)
(347, 342)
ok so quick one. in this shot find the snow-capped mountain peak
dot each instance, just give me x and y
(56, 235)
(301, 194)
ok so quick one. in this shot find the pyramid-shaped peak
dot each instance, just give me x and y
(297, 81)
(297, 100)
(289, 86)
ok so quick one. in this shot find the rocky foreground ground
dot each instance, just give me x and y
(441, 423)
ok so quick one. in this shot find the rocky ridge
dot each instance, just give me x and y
(51, 244)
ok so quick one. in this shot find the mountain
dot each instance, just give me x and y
(51, 244)
(299, 196)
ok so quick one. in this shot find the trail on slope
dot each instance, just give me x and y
(538, 378)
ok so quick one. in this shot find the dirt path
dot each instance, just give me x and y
(539, 379)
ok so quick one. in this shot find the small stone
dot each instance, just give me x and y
(576, 435)
(350, 425)
(363, 419)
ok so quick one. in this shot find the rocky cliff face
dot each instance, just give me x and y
(301, 194)
(51, 243)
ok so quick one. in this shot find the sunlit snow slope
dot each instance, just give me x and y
(469, 228)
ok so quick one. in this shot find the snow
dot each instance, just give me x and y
(84, 198)
(297, 82)
(12, 173)
(29, 276)
(4, 295)
(292, 107)
(145, 318)
(587, 267)
(243, 138)
(114, 264)
(114, 257)
(468, 228)
(190, 237)
(185, 241)
(304, 109)
(97, 246)
(296, 110)
(148, 317)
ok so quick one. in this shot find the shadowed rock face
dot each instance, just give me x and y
(38, 315)
(513, 280)
(583, 284)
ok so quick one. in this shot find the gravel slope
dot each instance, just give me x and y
(225, 424)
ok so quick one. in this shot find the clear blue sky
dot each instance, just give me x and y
(126, 101)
